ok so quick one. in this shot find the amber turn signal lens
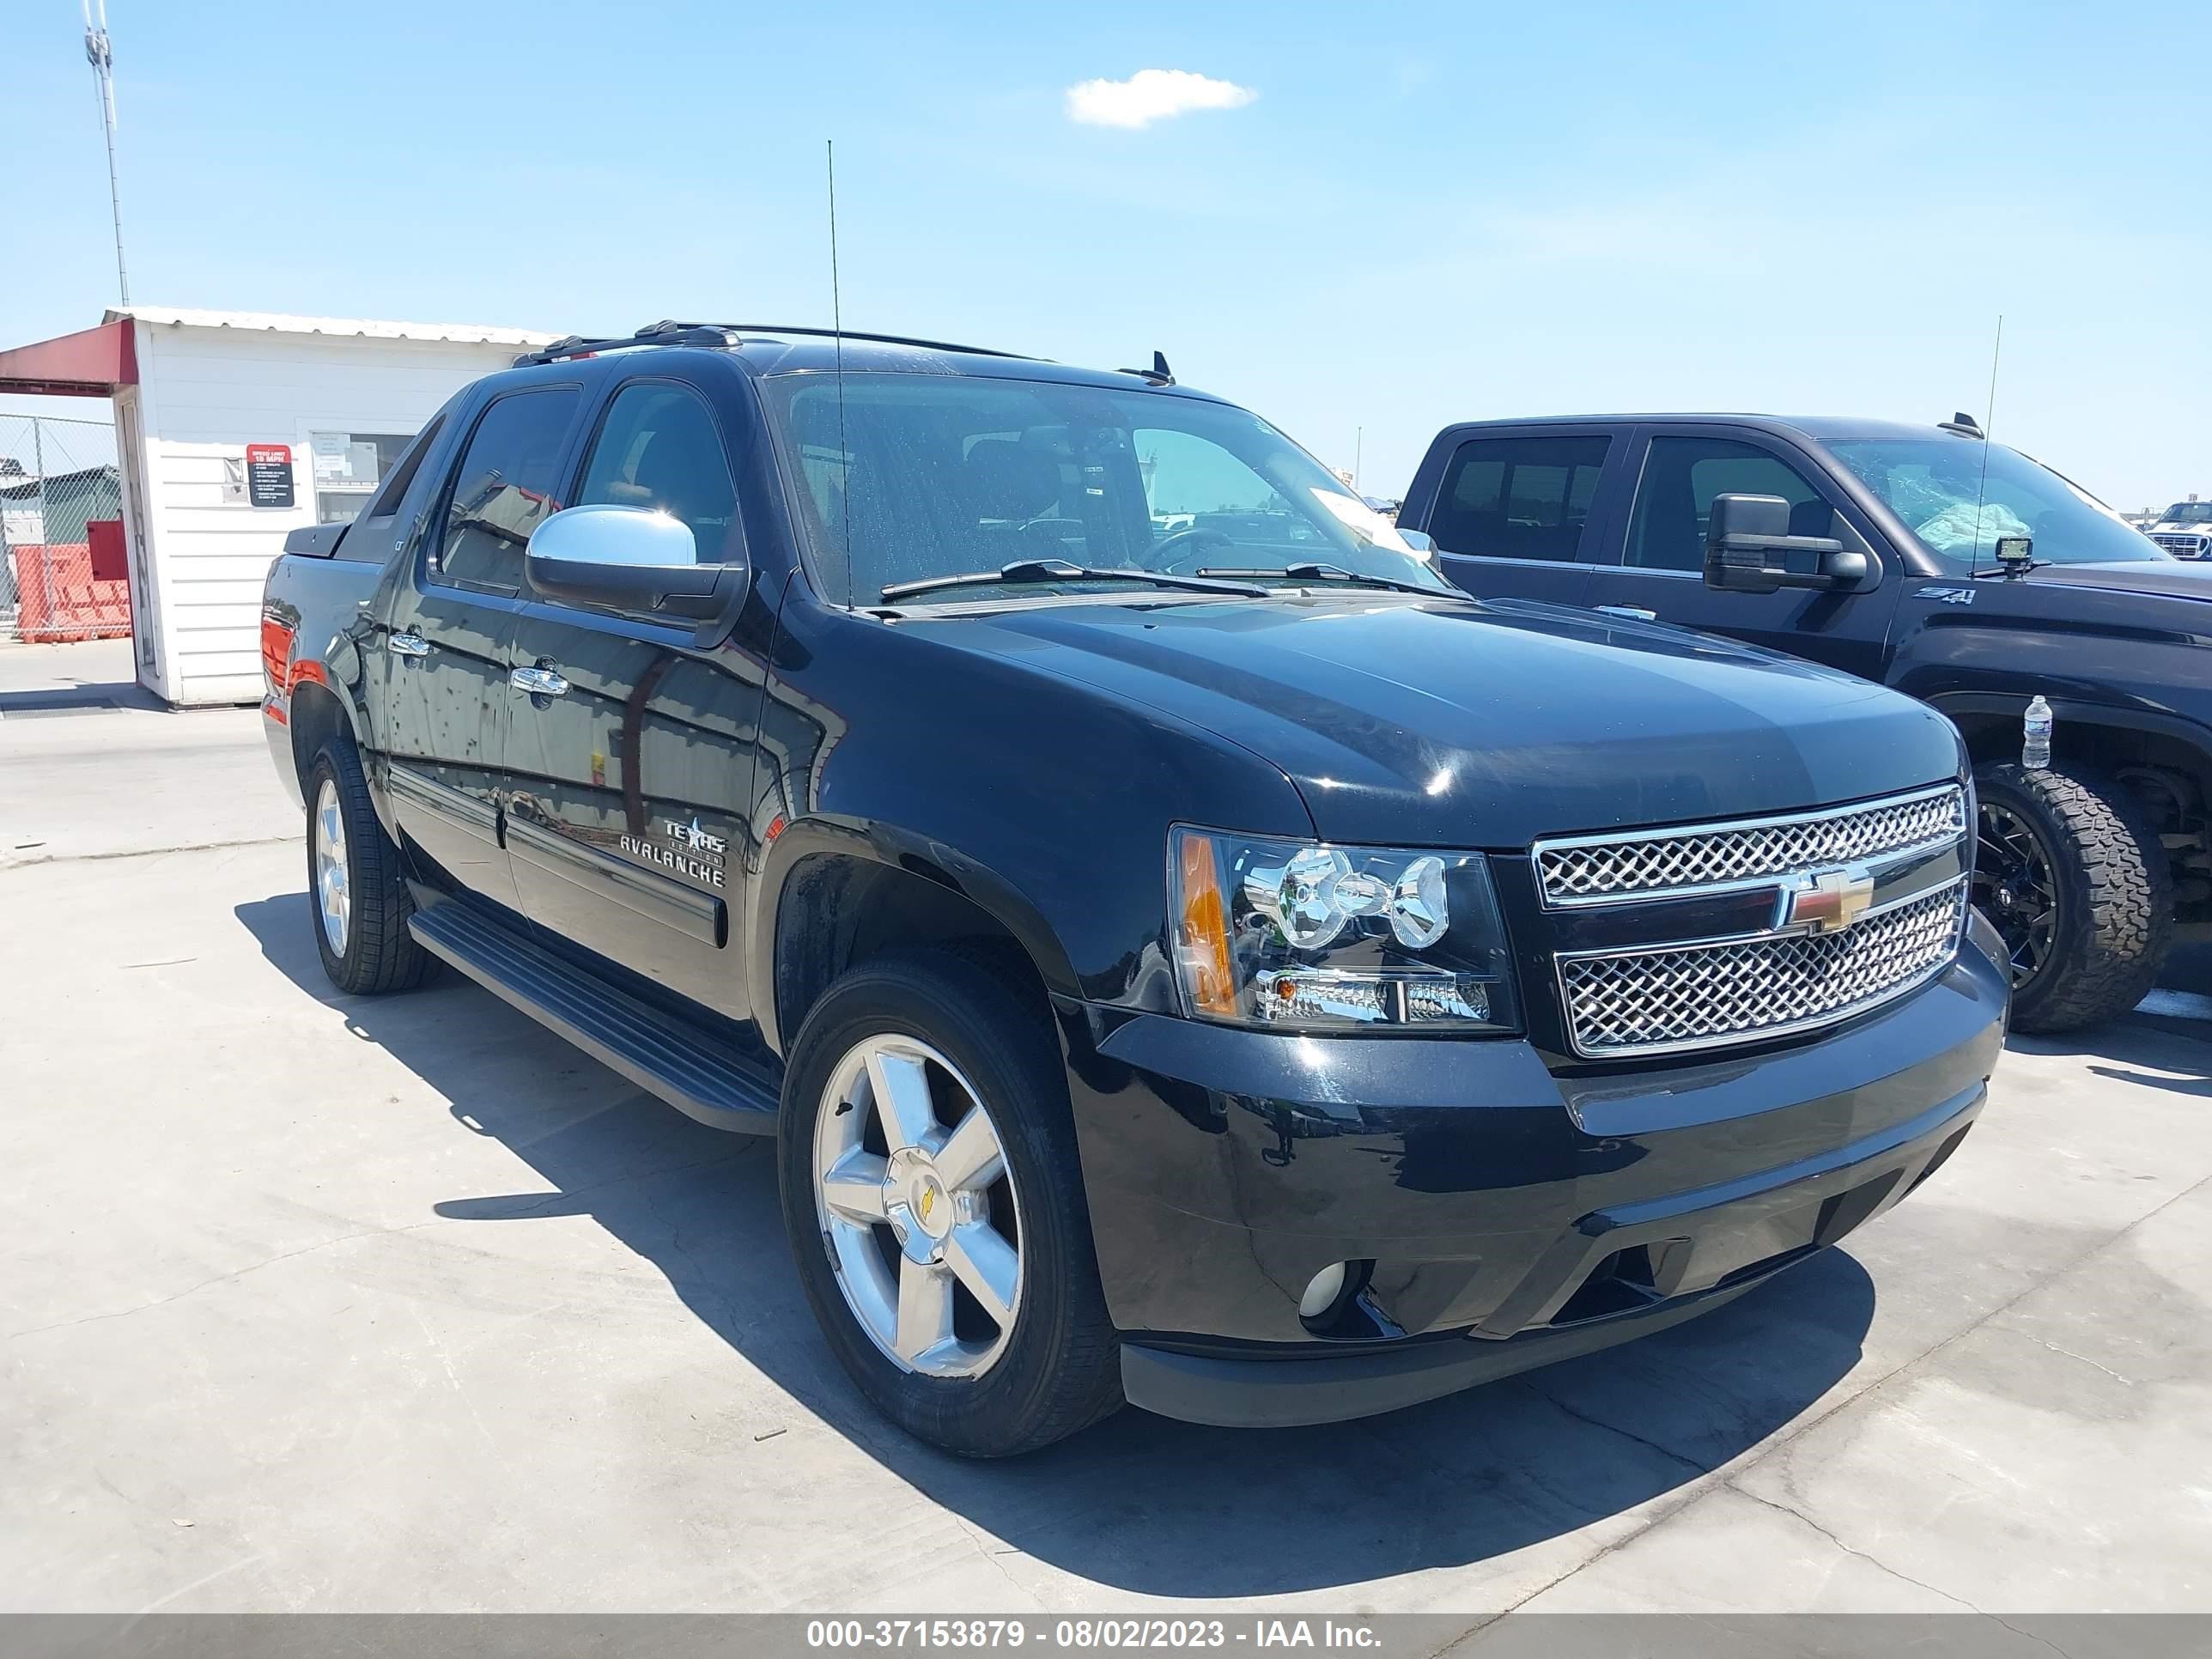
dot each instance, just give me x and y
(1205, 930)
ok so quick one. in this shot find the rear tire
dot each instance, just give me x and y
(357, 900)
(977, 1384)
(2070, 869)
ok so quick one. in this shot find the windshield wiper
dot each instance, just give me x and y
(1313, 571)
(1023, 571)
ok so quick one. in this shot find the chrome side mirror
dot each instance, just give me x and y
(613, 535)
(628, 558)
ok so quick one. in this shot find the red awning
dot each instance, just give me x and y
(91, 363)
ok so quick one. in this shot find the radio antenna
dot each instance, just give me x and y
(1989, 419)
(838, 341)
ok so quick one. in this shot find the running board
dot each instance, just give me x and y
(700, 1074)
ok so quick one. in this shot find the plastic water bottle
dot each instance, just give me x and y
(2035, 735)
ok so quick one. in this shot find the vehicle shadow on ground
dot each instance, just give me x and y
(2152, 1047)
(1139, 1503)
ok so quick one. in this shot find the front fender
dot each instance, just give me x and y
(888, 846)
(1042, 801)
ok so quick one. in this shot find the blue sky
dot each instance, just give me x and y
(1423, 213)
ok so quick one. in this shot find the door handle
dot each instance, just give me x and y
(407, 645)
(1633, 612)
(539, 682)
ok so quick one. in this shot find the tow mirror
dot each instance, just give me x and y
(1749, 550)
(629, 558)
(1418, 540)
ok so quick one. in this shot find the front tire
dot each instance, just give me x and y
(357, 897)
(2070, 869)
(934, 1203)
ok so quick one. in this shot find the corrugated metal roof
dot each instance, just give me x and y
(274, 322)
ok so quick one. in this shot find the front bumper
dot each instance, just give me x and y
(1512, 1216)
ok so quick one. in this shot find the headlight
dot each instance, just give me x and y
(1296, 936)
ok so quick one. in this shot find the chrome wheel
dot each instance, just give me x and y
(917, 1208)
(333, 894)
(2017, 887)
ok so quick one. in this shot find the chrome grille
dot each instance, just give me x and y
(1603, 869)
(1741, 990)
(2183, 546)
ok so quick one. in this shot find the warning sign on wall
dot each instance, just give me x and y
(268, 475)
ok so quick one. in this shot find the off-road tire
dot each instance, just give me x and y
(2115, 893)
(1061, 1369)
(380, 955)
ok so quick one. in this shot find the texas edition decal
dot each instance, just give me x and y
(690, 851)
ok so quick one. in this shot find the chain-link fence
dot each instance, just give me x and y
(63, 570)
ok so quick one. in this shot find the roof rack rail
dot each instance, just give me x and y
(661, 334)
(670, 333)
(880, 340)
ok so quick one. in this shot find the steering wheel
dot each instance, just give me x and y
(1190, 539)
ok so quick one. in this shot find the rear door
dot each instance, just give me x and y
(1523, 513)
(631, 779)
(1679, 469)
(444, 637)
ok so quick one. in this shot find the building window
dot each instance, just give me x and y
(349, 466)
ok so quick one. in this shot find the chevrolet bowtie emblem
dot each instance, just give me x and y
(1829, 901)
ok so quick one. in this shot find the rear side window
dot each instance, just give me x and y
(402, 476)
(1674, 501)
(1519, 498)
(504, 487)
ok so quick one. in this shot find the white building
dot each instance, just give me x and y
(232, 429)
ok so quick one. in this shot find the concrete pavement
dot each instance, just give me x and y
(94, 767)
(311, 1302)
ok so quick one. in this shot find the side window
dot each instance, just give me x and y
(504, 487)
(403, 476)
(1519, 498)
(1193, 484)
(660, 447)
(1675, 500)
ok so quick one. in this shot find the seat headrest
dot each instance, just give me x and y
(1008, 480)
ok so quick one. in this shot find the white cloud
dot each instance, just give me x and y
(1151, 96)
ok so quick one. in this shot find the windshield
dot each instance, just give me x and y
(922, 476)
(1934, 485)
(2189, 513)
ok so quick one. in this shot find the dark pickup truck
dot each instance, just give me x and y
(1187, 951)
(1926, 558)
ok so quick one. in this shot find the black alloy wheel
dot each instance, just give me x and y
(2017, 887)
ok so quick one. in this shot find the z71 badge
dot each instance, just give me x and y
(691, 851)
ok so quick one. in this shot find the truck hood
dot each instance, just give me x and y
(2180, 578)
(1447, 723)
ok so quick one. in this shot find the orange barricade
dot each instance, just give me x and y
(58, 599)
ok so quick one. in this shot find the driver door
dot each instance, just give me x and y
(1661, 571)
(632, 774)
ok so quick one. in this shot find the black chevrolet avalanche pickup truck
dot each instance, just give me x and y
(1187, 952)
(1929, 559)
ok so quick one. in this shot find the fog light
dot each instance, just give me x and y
(1320, 1294)
(1304, 993)
(1447, 997)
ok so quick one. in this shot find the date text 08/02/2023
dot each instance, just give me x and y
(1089, 1632)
